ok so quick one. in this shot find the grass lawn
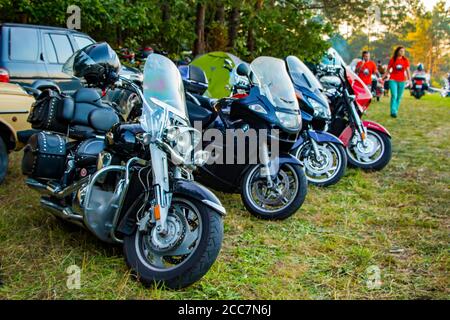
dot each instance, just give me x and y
(396, 221)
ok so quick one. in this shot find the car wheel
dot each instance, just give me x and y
(3, 160)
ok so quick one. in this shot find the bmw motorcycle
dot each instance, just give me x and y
(275, 186)
(367, 143)
(127, 183)
(321, 153)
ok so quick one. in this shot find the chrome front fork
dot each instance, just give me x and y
(316, 150)
(265, 161)
(163, 196)
(362, 132)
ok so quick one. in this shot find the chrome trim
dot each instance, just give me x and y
(215, 206)
(57, 192)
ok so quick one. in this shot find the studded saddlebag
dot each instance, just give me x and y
(46, 111)
(44, 156)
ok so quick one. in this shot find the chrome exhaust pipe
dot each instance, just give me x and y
(56, 191)
(62, 212)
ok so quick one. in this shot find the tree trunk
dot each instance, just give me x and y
(199, 44)
(250, 31)
(233, 25)
(165, 11)
(220, 12)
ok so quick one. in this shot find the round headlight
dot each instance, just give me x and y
(183, 139)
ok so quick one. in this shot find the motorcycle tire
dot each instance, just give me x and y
(339, 149)
(4, 159)
(380, 163)
(194, 267)
(280, 214)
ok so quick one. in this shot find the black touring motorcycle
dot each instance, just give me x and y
(128, 183)
(275, 186)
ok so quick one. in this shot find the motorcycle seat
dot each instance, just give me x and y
(87, 109)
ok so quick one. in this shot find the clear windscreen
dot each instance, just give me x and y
(163, 92)
(162, 81)
(301, 75)
(275, 82)
(333, 58)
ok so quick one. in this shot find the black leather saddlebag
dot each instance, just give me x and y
(46, 112)
(44, 156)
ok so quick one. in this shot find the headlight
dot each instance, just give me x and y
(183, 140)
(320, 110)
(288, 120)
(257, 108)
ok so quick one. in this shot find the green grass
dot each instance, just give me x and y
(396, 219)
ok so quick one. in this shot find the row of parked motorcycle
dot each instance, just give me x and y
(133, 177)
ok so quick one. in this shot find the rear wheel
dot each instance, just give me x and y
(276, 202)
(374, 155)
(184, 254)
(3, 160)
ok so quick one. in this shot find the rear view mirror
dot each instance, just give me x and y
(243, 70)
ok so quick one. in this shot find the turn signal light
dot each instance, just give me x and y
(157, 212)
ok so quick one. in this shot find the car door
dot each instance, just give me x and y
(25, 61)
(58, 48)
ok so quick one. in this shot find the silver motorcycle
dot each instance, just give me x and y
(140, 191)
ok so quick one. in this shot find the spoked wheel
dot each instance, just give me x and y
(184, 254)
(3, 160)
(374, 155)
(325, 169)
(278, 201)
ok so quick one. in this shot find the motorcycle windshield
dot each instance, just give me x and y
(275, 82)
(162, 81)
(303, 77)
(163, 93)
(333, 58)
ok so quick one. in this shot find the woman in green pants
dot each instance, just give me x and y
(399, 73)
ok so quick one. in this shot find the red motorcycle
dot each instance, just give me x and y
(368, 144)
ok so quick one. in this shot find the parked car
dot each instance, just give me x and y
(32, 52)
(15, 105)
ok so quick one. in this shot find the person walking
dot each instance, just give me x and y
(366, 68)
(399, 73)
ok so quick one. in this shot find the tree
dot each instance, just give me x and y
(199, 44)
(430, 42)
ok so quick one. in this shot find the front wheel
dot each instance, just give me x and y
(278, 201)
(3, 160)
(326, 168)
(184, 254)
(375, 154)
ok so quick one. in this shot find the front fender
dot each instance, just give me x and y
(194, 190)
(298, 143)
(347, 134)
(181, 188)
(321, 136)
(376, 127)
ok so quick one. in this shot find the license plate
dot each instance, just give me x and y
(418, 86)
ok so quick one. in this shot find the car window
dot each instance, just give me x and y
(24, 44)
(63, 47)
(82, 41)
(50, 49)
